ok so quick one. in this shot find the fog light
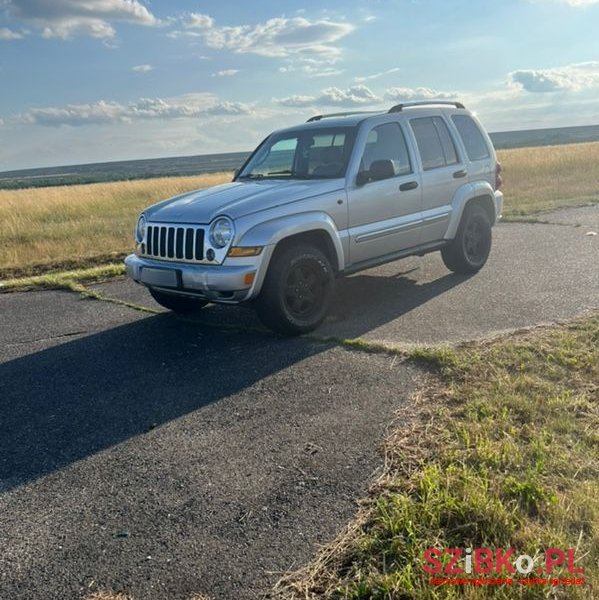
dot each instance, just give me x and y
(210, 254)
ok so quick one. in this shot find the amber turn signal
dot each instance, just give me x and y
(245, 251)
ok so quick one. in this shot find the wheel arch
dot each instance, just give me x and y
(317, 229)
(480, 193)
(318, 238)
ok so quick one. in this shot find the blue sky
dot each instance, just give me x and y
(120, 79)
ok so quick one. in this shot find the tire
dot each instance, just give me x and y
(469, 250)
(297, 290)
(182, 305)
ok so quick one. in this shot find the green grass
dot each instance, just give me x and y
(502, 452)
(64, 280)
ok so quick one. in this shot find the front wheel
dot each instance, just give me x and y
(469, 250)
(297, 291)
(182, 305)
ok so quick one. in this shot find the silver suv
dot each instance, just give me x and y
(338, 194)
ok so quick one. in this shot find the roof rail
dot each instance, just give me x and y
(342, 114)
(393, 109)
(400, 107)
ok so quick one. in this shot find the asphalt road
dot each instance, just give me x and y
(143, 453)
(537, 273)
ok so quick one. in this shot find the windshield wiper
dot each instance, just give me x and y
(292, 174)
(273, 175)
(252, 176)
(284, 172)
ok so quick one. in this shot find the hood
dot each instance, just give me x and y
(238, 199)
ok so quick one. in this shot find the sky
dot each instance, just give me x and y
(101, 80)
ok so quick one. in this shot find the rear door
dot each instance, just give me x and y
(384, 215)
(443, 172)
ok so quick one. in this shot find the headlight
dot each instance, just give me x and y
(140, 230)
(221, 232)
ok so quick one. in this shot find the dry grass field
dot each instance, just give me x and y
(53, 224)
(86, 223)
(544, 178)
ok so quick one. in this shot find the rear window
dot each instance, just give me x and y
(474, 141)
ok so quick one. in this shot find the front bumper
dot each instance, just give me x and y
(216, 283)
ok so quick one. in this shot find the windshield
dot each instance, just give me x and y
(308, 154)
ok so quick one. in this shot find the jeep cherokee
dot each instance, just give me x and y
(335, 195)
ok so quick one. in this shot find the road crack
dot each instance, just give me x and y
(49, 338)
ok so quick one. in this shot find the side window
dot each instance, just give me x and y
(474, 141)
(451, 156)
(434, 142)
(326, 154)
(429, 144)
(387, 143)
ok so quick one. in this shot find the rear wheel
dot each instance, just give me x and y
(297, 291)
(182, 305)
(469, 250)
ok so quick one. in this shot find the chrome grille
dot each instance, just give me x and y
(175, 242)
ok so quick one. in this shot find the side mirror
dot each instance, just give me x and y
(362, 178)
(382, 169)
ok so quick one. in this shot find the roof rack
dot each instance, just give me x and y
(342, 114)
(400, 107)
(393, 109)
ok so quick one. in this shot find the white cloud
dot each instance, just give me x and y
(357, 95)
(103, 112)
(376, 75)
(277, 37)
(297, 101)
(63, 18)
(198, 21)
(142, 68)
(311, 67)
(571, 78)
(225, 73)
(399, 94)
(75, 114)
(178, 33)
(224, 107)
(9, 34)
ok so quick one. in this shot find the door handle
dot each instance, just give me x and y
(410, 185)
(460, 174)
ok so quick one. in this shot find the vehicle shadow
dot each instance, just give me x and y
(70, 401)
(366, 302)
(75, 399)
(362, 302)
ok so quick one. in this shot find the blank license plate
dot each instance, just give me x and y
(159, 277)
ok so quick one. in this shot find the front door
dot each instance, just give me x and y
(385, 205)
